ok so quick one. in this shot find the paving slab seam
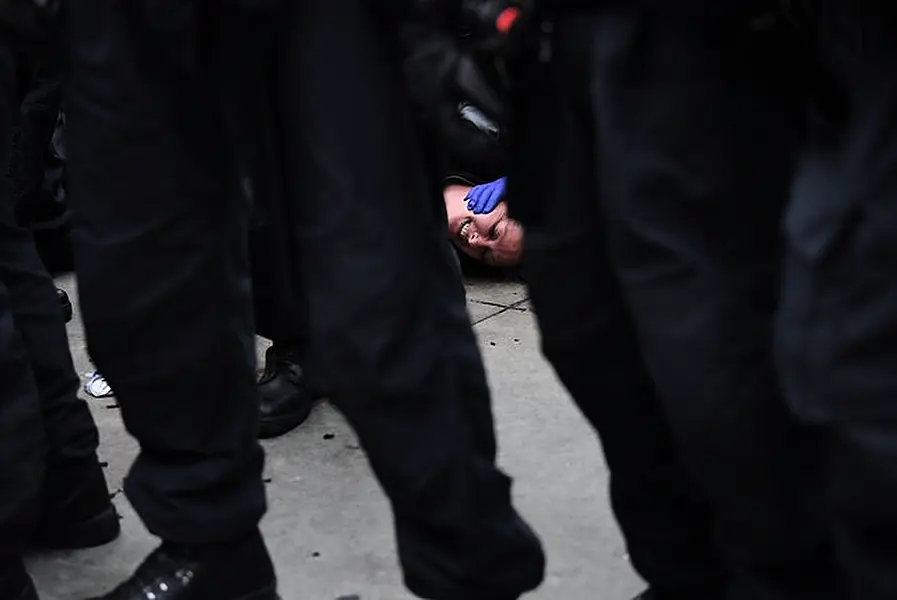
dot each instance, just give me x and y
(515, 307)
(489, 303)
(487, 317)
(512, 305)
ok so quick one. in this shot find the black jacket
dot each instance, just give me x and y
(458, 95)
(27, 23)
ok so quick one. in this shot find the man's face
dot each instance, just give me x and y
(493, 238)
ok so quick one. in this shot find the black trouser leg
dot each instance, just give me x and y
(160, 248)
(387, 310)
(837, 330)
(280, 314)
(41, 94)
(22, 439)
(588, 336)
(63, 442)
(694, 134)
(71, 434)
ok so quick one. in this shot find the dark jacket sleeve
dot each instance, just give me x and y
(474, 152)
(435, 65)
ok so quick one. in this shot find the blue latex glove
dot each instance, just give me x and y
(482, 199)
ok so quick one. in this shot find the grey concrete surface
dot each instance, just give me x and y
(329, 526)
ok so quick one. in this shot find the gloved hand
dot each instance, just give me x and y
(482, 199)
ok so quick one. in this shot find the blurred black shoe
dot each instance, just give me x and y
(66, 304)
(15, 584)
(239, 570)
(284, 396)
(77, 511)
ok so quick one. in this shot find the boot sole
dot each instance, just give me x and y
(97, 531)
(272, 427)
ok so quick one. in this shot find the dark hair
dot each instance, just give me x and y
(470, 267)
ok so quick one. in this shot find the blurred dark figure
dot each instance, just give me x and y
(54, 494)
(654, 147)
(837, 329)
(665, 519)
(37, 167)
(286, 392)
(164, 94)
(37, 171)
(458, 90)
(37, 164)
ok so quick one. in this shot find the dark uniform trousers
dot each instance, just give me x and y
(47, 435)
(160, 239)
(658, 158)
(837, 330)
(281, 314)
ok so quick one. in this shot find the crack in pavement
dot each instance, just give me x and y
(505, 308)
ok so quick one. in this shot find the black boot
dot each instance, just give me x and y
(239, 570)
(285, 400)
(15, 584)
(67, 311)
(77, 511)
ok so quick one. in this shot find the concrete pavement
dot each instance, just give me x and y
(329, 526)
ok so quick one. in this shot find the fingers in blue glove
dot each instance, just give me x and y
(488, 201)
(473, 197)
(483, 199)
(478, 200)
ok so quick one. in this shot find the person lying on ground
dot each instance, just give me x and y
(459, 96)
(479, 226)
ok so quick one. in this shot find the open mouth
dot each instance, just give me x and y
(464, 232)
